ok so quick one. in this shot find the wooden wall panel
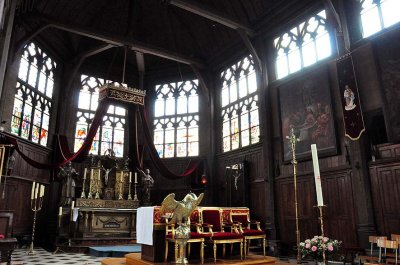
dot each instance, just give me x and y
(385, 180)
(339, 215)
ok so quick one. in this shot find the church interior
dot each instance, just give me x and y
(200, 132)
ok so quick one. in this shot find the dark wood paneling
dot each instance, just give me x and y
(339, 215)
(385, 183)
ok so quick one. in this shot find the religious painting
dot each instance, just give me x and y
(306, 106)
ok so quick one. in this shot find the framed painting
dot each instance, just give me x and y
(306, 106)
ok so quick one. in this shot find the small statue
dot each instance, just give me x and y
(106, 173)
(147, 184)
(182, 209)
(67, 175)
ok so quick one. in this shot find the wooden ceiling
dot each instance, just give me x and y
(166, 32)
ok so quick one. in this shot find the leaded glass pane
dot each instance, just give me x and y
(15, 122)
(245, 138)
(174, 128)
(255, 133)
(313, 38)
(112, 128)
(193, 149)
(35, 134)
(42, 82)
(33, 73)
(23, 69)
(239, 79)
(25, 129)
(390, 12)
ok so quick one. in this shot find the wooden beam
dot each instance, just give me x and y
(141, 68)
(119, 40)
(202, 83)
(331, 9)
(251, 49)
(21, 43)
(211, 15)
(6, 46)
(93, 51)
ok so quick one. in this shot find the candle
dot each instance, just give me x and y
(41, 191)
(33, 191)
(84, 173)
(37, 190)
(136, 177)
(72, 204)
(91, 173)
(317, 175)
(99, 173)
(60, 211)
(130, 177)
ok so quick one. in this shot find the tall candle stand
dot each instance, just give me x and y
(89, 196)
(321, 219)
(135, 198)
(36, 205)
(293, 141)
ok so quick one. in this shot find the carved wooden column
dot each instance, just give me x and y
(358, 152)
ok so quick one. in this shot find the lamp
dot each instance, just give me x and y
(203, 179)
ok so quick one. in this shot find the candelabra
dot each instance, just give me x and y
(293, 141)
(36, 205)
(97, 195)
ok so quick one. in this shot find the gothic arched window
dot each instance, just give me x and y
(110, 134)
(34, 95)
(176, 119)
(303, 45)
(239, 102)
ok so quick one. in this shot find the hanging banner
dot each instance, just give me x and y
(351, 107)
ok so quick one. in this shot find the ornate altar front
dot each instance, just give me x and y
(96, 218)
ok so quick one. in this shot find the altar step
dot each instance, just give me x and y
(113, 251)
(135, 259)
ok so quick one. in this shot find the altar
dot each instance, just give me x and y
(105, 219)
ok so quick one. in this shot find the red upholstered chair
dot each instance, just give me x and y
(196, 236)
(248, 229)
(211, 220)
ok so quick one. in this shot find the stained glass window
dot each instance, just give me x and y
(239, 101)
(33, 97)
(378, 14)
(176, 121)
(110, 134)
(303, 45)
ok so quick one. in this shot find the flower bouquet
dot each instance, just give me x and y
(315, 246)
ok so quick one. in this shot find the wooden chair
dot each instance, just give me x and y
(373, 240)
(242, 218)
(195, 237)
(211, 219)
(8, 244)
(388, 244)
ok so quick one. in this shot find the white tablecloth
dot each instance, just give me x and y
(144, 225)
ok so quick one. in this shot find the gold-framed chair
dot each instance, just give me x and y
(211, 220)
(242, 218)
(195, 237)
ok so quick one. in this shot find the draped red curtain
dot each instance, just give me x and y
(136, 155)
(192, 166)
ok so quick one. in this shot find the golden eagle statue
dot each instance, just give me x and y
(182, 209)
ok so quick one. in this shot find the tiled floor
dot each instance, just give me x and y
(42, 257)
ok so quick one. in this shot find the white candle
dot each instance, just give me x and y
(33, 191)
(60, 211)
(317, 175)
(37, 190)
(72, 204)
(91, 173)
(84, 173)
(130, 177)
(136, 177)
(41, 191)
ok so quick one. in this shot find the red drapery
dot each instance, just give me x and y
(136, 156)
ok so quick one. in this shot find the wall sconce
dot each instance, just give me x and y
(203, 179)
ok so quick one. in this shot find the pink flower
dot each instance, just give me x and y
(326, 239)
(307, 245)
(330, 248)
(314, 248)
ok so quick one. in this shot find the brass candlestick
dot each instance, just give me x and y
(83, 195)
(135, 198)
(293, 141)
(89, 196)
(321, 219)
(129, 190)
(36, 205)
